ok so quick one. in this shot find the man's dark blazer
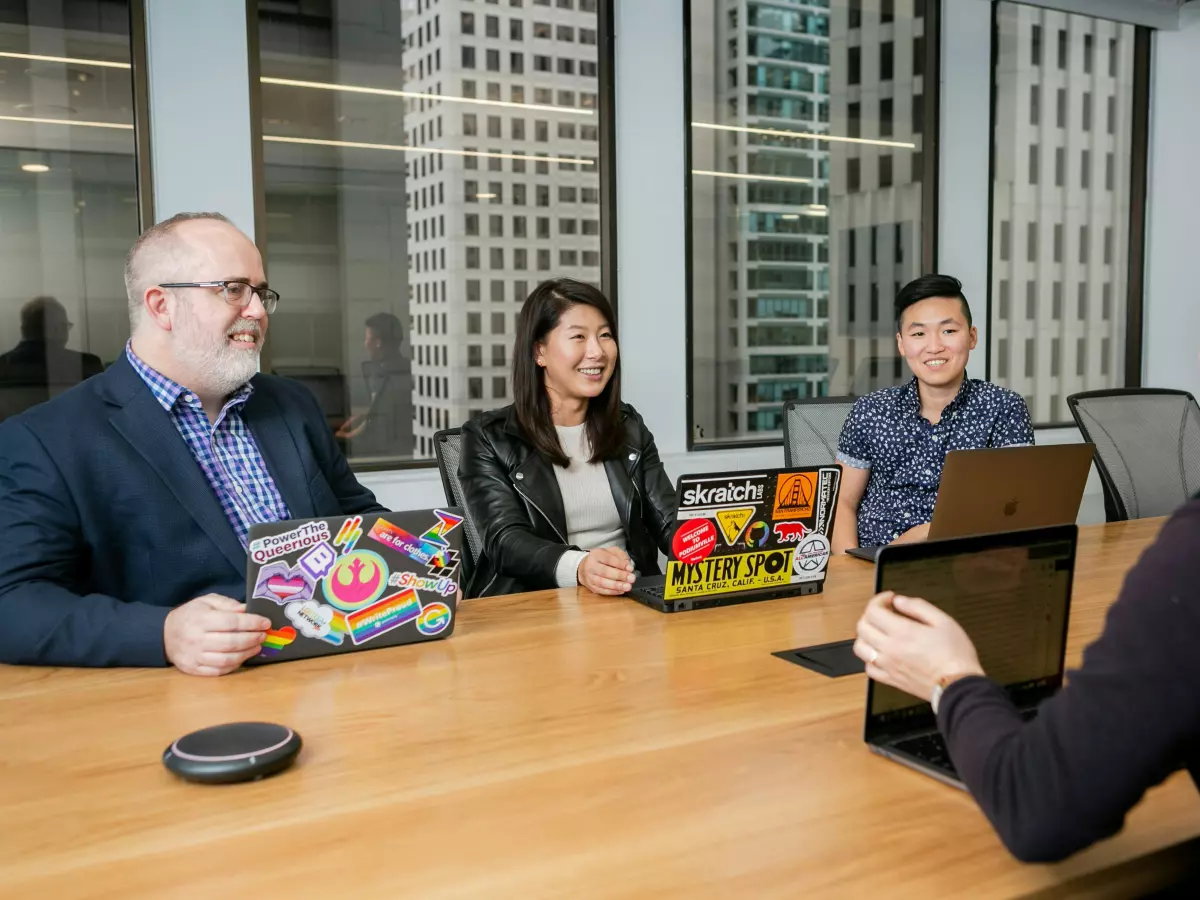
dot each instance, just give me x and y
(107, 521)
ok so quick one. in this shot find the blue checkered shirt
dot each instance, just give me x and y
(226, 452)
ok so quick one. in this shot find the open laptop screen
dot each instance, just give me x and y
(1011, 593)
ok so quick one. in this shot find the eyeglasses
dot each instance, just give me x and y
(237, 293)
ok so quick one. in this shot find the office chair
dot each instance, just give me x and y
(447, 446)
(811, 428)
(1147, 448)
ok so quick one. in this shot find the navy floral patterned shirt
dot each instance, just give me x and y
(886, 433)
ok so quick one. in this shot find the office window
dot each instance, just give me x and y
(1002, 357)
(1035, 104)
(853, 175)
(1033, 163)
(771, 231)
(1083, 347)
(71, 195)
(1004, 299)
(350, 234)
(1035, 45)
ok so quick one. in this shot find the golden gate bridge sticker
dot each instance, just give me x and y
(794, 493)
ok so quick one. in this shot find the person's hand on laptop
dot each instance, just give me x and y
(606, 570)
(914, 535)
(912, 645)
(212, 635)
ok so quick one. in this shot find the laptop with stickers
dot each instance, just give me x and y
(349, 583)
(746, 536)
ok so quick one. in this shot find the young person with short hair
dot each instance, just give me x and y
(895, 440)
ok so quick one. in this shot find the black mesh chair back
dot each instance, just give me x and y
(447, 446)
(811, 429)
(1147, 448)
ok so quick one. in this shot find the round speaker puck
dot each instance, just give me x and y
(237, 751)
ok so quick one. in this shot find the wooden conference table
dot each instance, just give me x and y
(559, 744)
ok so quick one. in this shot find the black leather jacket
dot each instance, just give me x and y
(513, 500)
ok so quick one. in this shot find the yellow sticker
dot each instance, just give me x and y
(724, 574)
(733, 522)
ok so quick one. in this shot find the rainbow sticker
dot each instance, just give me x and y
(338, 629)
(433, 552)
(434, 618)
(356, 580)
(390, 612)
(277, 639)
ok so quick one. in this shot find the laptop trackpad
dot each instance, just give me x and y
(831, 660)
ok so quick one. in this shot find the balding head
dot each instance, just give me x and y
(170, 251)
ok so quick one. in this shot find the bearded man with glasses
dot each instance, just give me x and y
(125, 503)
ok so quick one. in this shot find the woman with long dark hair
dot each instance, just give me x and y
(565, 486)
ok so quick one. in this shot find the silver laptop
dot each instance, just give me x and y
(1005, 489)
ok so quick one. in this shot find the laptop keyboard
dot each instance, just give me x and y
(654, 590)
(929, 748)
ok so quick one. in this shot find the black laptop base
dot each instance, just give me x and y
(866, 553)
(650, 590)
(925, 752)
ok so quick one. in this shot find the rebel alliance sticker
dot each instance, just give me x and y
(811, 558)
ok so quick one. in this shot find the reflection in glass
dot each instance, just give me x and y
(415, 156)
(806, 204)
(68, 178)
(1076, 224)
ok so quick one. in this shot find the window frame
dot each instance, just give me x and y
(930, 162)
(1139, 155)
(605, 154)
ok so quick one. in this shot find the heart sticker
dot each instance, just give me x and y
(277, 639)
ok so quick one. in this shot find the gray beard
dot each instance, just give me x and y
(220, 370)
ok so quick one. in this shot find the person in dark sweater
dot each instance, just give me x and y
(1126, 720)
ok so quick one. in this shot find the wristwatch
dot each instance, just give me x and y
(940, 687)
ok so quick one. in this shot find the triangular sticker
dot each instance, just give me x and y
(733, 522)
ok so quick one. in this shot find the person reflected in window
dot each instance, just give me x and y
(386, 427)
(894, 441)
(565, 486)
(40, 365)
